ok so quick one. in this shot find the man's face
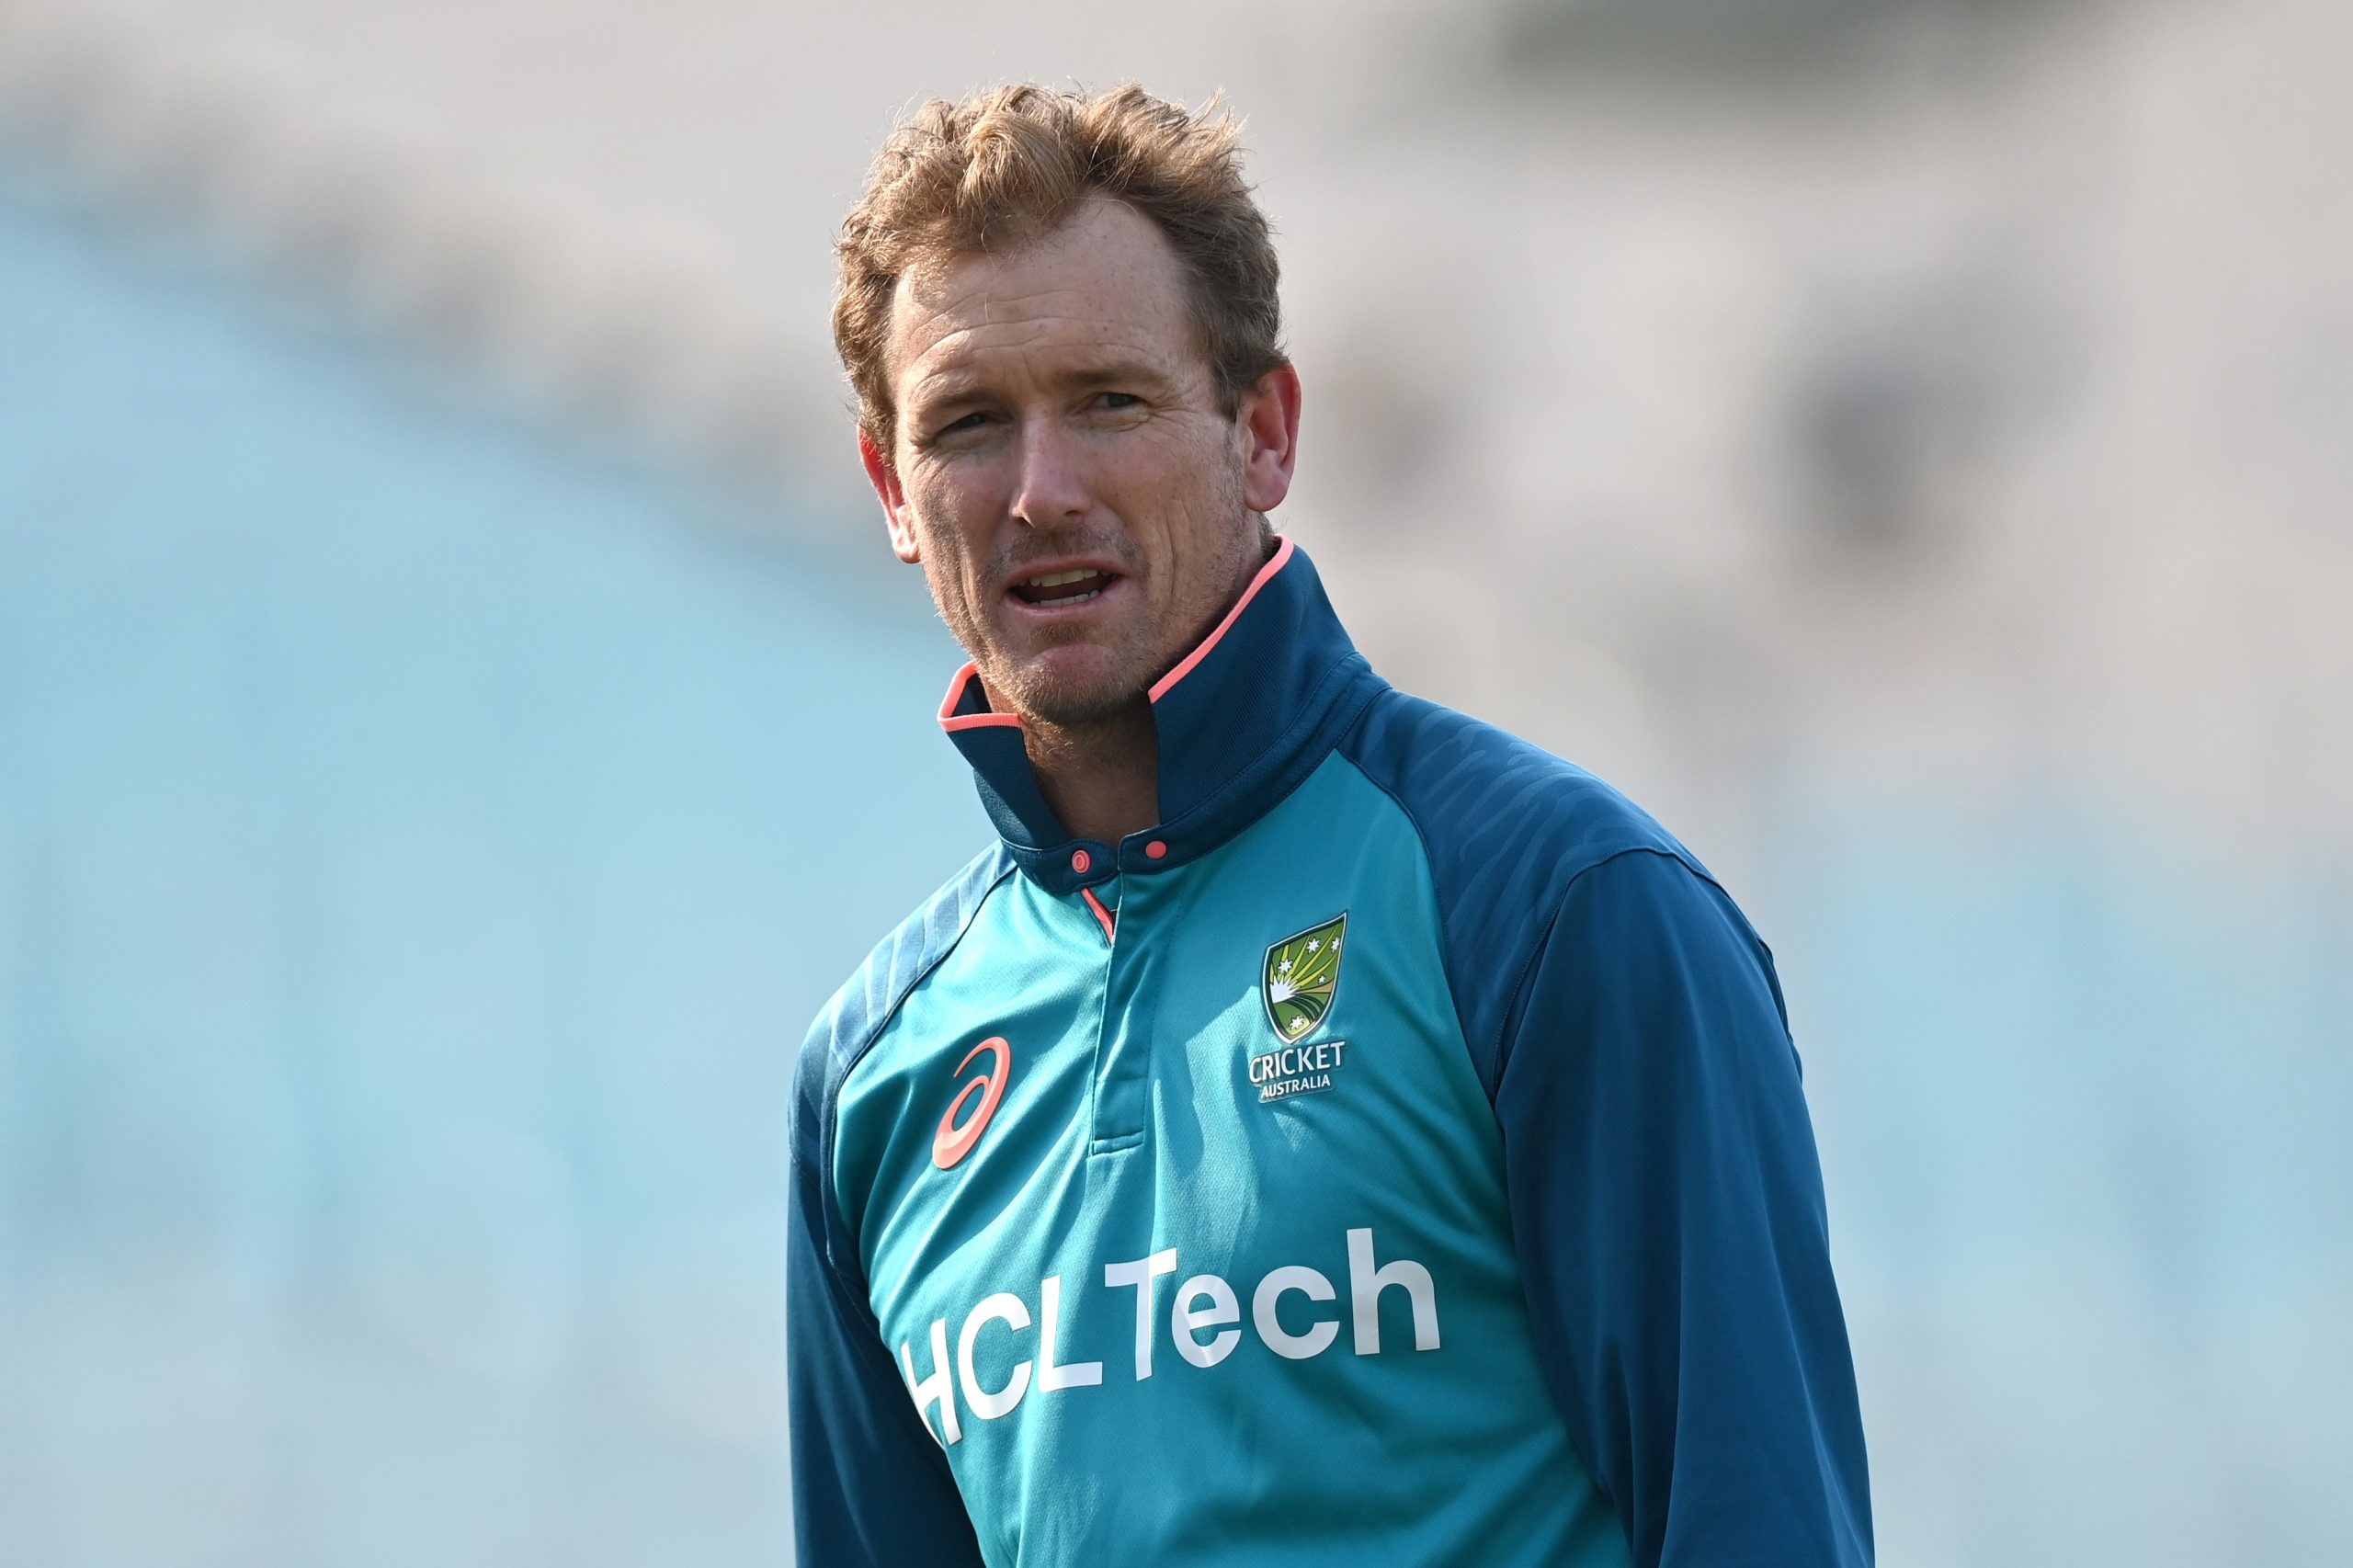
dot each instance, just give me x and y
(1080, 504)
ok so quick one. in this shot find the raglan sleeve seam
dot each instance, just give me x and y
(837, 1228)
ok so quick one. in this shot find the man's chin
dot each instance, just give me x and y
(1075, 685)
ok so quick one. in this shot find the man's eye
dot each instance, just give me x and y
(1117, 400)
(960, 427)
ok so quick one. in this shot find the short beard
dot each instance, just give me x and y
(1070, 704)
(1074, 707)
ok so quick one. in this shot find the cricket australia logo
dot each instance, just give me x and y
(1301, 976)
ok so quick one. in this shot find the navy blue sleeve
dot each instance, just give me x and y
(1668, 1211)
(870, 1488)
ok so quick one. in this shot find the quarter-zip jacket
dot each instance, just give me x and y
(1396, 1155)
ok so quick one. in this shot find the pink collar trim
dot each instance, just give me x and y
(951, 721)
(1161, 687)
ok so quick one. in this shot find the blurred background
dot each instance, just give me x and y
(459, 720)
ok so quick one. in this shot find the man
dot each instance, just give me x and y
(1323, 1129)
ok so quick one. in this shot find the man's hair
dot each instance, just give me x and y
(1006, 167)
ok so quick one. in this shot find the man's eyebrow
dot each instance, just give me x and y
(1117, 372)
(946, 383)
(938, 391)
(948, 388)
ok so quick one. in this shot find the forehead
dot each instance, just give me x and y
(1107, 283)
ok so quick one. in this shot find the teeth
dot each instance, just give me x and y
(1056, 579)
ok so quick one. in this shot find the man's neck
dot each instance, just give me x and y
(1101, 777)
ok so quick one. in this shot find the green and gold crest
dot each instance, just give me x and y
(1302, 971)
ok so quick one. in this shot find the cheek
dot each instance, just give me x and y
(952, 514)
(959, 495)
(1175, 450)
(1202, 459)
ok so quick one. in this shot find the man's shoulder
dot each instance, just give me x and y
(1507, 830)
(1483, 797)
(858, 1013)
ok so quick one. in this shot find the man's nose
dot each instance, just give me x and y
(1049, 491)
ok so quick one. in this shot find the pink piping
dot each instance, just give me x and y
(1160, 688)
(951, 720)
(1102, 913)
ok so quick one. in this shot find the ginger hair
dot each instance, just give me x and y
(1008, 166)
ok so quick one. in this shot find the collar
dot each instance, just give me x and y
(1242, 719)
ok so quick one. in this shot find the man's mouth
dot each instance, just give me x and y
(1060, 588)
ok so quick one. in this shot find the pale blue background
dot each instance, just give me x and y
(422, 843)
(423, 838)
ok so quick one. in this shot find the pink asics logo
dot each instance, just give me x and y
(951, 1143)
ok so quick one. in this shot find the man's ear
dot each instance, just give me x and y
(896, 516)
(1268, 417)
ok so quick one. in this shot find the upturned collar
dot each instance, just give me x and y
(1242, 719)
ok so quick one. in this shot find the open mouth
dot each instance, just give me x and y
(1058, 589)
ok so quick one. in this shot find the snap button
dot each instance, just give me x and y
(1080, 860)
(1155, 849)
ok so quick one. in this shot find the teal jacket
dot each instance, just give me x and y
(1396, 1155)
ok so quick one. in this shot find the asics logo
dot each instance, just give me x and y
(953, 1141)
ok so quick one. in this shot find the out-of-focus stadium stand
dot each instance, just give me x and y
(420, 843)
(456, 722)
